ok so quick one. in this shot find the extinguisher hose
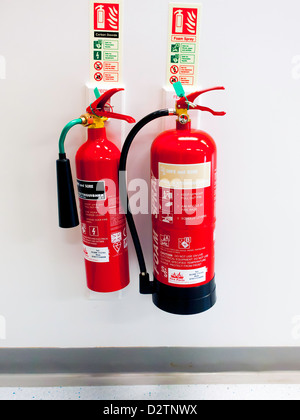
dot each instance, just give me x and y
(67, 128)
(67, 209)
(145, 283)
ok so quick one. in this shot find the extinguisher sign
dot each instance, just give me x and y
(183, 43)
(106, 41)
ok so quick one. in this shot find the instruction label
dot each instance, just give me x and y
(183, 43)
(91, 190)
(184, 176)
(100, 255)
(106, 41)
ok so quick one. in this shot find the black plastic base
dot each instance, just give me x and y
(184, 301)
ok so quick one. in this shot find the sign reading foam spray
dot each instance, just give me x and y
(183, 43)
(183, 55)
(106, 42)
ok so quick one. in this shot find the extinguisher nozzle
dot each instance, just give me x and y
(146, 286)
(67, 209)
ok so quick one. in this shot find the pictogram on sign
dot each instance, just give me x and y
(97, 55)
(174, 69)
(173, 79)
(98, 65)
(106, 16)
(98, 77)
(184, 21)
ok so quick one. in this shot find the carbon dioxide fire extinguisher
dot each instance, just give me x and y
(103, 225)
(183, 196)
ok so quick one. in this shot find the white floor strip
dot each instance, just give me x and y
(156, 392)
(214, 386)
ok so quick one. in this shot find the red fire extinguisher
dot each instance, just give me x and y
(103, 224)
(183, 195)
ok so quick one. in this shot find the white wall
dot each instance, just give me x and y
(251, 48)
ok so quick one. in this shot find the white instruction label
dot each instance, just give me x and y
(186, 277)
(183, 43)
(106, 41)
(99, 255)
(185, 177)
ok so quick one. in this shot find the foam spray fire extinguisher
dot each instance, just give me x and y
(103, 225)
(183, 194)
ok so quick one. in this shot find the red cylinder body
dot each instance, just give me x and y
(102, 223)
(183, 178)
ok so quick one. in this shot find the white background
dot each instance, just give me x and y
(252, 48)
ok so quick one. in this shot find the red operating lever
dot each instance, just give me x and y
(187, 101)
(98, 107)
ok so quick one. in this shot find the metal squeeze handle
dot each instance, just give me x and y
(97, 108)
(187, 101)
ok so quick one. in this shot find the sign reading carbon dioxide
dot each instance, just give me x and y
(183, 43)
(106, 41)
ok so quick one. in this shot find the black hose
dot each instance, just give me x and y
(145, 284)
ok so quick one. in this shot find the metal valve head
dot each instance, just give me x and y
(187, 101)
